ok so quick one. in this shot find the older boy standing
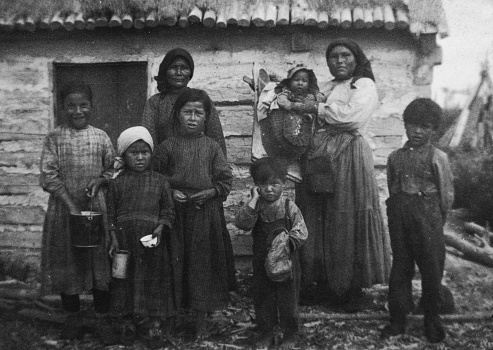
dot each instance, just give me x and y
(421, 191)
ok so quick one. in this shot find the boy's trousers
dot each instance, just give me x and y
(416, 234)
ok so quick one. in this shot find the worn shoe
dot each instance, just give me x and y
(129, 333)
(72, 328)
(265, 340)
(106, 330)
(434, 330)
(392, 330)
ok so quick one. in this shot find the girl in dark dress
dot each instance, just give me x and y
(201, 179)
(139, 204)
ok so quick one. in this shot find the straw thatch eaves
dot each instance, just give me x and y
(417, 16)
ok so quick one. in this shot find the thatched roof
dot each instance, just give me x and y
(417, 16)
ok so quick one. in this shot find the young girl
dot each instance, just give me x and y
(268, 214)
(288, 133)
(200, 179)
(75, 162)
(140, 204)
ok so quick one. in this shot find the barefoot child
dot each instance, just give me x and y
(421, 192)
(268, 213)
(288, 133)
(140, 204)
(201, 179)
(75, 162)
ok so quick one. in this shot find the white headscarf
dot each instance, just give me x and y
(127, 137)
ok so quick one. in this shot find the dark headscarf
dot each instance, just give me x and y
(162, 84)
(363, 66)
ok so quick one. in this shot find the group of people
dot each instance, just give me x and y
(169, 178)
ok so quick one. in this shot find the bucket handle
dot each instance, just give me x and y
(90, 209)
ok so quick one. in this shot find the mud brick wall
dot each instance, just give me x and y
(222, 58)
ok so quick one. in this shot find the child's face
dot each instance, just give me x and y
(192, 118)
(138, 156)
(77, 108)
(299, 82)
(178, 73)
(419, 134)
(271, 190)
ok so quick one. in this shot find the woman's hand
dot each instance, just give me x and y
(94, 186)
(113, 247)
(158, 232)
(201, 197)
(179, 196)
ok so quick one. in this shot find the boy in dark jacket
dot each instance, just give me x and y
(421, 191)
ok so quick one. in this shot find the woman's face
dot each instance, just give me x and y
(192, 118)
(178, 73)
(342, 63)
(77, 109)
(138, 156)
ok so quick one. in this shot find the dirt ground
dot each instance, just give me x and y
(234, 328)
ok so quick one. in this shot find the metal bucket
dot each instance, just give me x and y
(86, 229)
(119, 266)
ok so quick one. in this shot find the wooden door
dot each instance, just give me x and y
(119, 93)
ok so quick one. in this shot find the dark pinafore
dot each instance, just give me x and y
(276, 303)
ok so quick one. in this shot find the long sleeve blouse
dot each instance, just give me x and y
(349, 106)
(247, 217)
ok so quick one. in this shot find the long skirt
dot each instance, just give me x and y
(204, 266)
(65, 268)
(148, 288)
(347, 245)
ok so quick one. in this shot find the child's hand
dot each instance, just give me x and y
(94, 186)
(179, 196)
(158, 232)
(201, 197)
(255, 192)
(113, 247)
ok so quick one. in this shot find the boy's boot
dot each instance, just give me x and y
(434, 330)
(105, 329)
(72, 328)
(397, 326)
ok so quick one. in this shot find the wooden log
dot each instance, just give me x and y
(358, 18)
(346, 19)
(101, 21)
(270, 15)
(233, 14)
(127, 21)
(19, 23)
(21, 293)
(479, 316)
(115, 21)
(56, 21)
(323, 20)
(297, 15)
(258, 17)
(44, 23)
(378, 16)
(311, 18)
(245, 18)
(183, 21)
(195, 15)
(368, 17)
(221, 20)
(69, 22)
(470, 251)
(44, 306)
(79, 22)
(209, 19)
(171, 20)
(139, 22)
(29, 24)
(151, 19)
(90, 23)
(283, 15)
(478, 229)
(7, 24)
(335, 17)
(388, 17)
(402, 19)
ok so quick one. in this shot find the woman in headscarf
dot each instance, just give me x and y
(175, 72)
(347, 248)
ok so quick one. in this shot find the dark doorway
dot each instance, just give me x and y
(119, 92)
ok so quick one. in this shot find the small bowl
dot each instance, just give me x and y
(148, 241)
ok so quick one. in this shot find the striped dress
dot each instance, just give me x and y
(193, 164)
(70, 159)
(137, 203)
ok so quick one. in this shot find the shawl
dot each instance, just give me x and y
(162, 84)
(127, 137)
